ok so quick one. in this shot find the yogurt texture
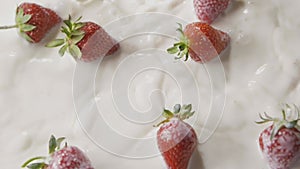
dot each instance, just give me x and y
(261, 69)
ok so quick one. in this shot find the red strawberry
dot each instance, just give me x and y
(68, 157)
(176, 139)
(85, 40)
(208, 10)
(280, 142)
(34, 21)
(200, 41)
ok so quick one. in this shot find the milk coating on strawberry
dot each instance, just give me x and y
(86, 41)
(34, 21)
(280, 142)
(176, 139)
(69, 157)
(208, 10)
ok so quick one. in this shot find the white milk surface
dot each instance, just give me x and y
(40, 92)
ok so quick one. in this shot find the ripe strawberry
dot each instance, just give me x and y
(68, 157)
(208, 10)
(34, 21)
(280, 142)
(85, 40)
(200, 41)
(176, 139)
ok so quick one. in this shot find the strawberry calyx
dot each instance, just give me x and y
(21, 23)
(55, 144)
(180, 48)
(284, 122)
(181, 112)
(73, 35)
(42, 162)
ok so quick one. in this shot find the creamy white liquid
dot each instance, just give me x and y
(262, 70)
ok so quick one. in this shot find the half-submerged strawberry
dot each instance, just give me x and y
(66, 157)
(200, 41)
(280, 142)
(86, 41)
(34, 21)
(176, 139)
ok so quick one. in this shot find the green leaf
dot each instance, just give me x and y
(27, 27)
(181, 54)
(69, 24)
(19, 16)
(167, 114)
(31, 160)
(283, 114)
(172, 50)
(177, 108)
(77, 39)
(55, 43)
(186, 57)
(182, 47)
(178, 44)
(52, 144)
(25, 36)
(78, 19)
(75, 51)
(66, 31)
(21, 12)
(180, 29)
(36, 166)
(77, 33)
(25, 18)
(185, 112)
(190, 115)
(63, 50)
(78, 25)
(186, 108)
(59, 141)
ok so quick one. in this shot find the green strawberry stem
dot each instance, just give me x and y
(182, 112)
(279, 123)
(73, 35)
(181, 48)
(9, 27)
(21, 22)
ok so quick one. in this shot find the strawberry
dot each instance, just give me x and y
(34, 21)
(68, 157)
(200, 41)
(86, 41)
(208, 10)
(280, 142)
(176, 139)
